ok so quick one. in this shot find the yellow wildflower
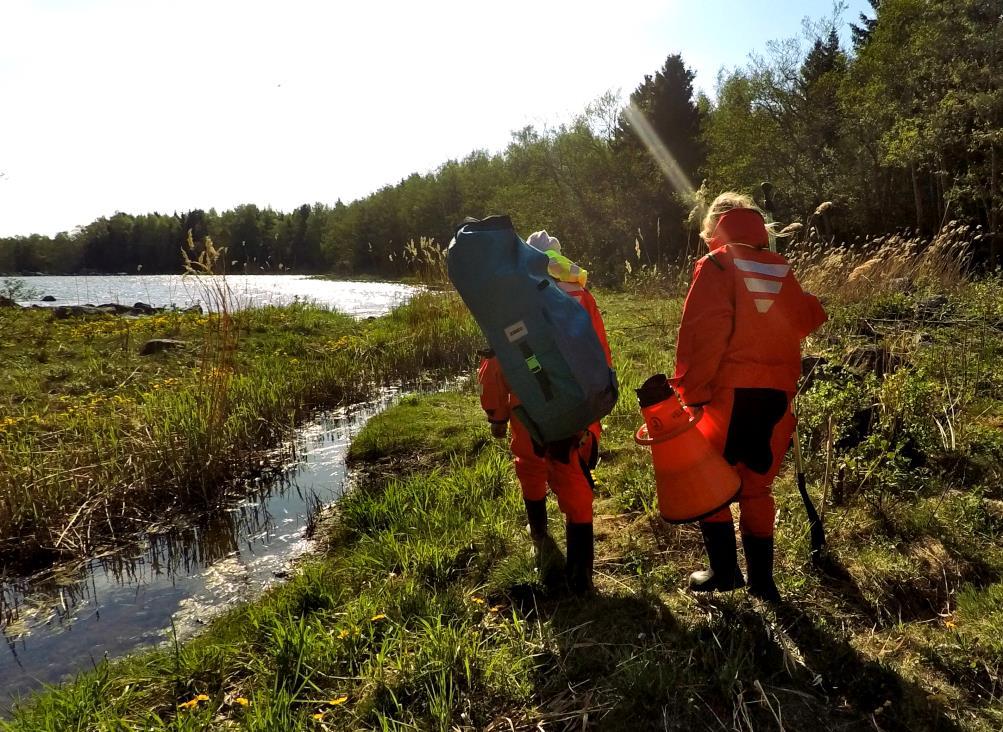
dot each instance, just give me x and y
(950, 624)
(194, 702)
(380, 616)
(343, 633)
(241, 701)
(318, 716)
(337, 702)
(477, 600)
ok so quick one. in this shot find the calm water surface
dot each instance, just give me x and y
(362, 299)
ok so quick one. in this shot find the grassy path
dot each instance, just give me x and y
(425, 611)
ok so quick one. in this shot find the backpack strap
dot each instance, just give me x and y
(533, 363)
(710, 256)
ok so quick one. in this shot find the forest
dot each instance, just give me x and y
(902, 131)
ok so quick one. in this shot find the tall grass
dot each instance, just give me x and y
(427, 261)
(892, 263)
(170, 430)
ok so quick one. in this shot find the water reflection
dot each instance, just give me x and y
(62, 620)
(361, 299)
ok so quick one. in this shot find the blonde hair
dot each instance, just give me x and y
(722, 204)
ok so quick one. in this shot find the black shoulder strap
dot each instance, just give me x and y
(712, 258)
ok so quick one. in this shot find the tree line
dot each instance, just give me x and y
(904, 129)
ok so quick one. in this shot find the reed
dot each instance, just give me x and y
(93, 446)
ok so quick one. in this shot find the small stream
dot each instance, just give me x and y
(65, 620)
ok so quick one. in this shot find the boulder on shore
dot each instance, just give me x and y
(68, 311)
(108, 308)
(48, 298)
(157, 345)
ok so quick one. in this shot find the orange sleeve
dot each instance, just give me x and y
(589, 303)
(814, 315)
(706, 328)
(494, 390)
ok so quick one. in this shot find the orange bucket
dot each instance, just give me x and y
(691, 479)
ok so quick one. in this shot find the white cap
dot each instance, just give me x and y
(543, 241)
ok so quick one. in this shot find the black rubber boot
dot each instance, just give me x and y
(759, 560)
(724, 574)
(581, 554)
(536, 516)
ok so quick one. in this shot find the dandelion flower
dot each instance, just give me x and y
(193, 702)
(337, 702)
(242, 701)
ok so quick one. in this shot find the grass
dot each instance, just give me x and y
(95, 438)
(425, 611)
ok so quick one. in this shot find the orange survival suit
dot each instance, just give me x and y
(535, 468)
(738, 355)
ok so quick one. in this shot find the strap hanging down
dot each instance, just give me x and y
(533, 363)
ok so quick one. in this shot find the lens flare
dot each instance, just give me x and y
(657, 149)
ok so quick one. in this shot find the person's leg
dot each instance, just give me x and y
(573, 488)
(718, 529)
(531, 470)
(758, 511)
(722, 553)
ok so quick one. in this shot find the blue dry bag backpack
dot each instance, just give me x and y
(544, 340)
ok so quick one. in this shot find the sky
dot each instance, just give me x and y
(169, 105)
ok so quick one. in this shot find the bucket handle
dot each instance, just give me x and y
(641, 436)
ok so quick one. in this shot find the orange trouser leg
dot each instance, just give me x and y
(574, 493)
(756, 500)
(758, 509)
(529, 467)
(567, 480)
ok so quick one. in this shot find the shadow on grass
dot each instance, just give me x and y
(871, 689)
(624, 661)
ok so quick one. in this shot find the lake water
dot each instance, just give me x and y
(361, 299)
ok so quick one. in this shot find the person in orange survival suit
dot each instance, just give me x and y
(564, 467)
(738, 355)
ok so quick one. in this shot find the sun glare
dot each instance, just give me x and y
(658, 151)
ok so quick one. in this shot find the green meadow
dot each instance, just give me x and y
(423, 608)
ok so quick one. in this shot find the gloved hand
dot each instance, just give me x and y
(499, 430)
